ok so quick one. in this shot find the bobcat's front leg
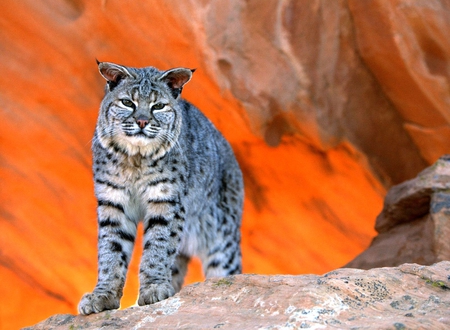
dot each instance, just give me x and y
(163, 227)
(115, 244)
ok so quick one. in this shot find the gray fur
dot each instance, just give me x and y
(159, 160)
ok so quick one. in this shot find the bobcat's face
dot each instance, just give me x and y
(140, 113)
(141, 122)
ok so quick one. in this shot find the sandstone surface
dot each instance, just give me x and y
(406, 45)
(326, 104)
(408, 297)
(414, 225)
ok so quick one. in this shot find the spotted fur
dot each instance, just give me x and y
(159, 160)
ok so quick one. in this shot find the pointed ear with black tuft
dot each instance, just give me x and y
(176, 79)
(113, 73)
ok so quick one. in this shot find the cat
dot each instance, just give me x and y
(159, 160)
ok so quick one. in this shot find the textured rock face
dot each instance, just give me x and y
(321, 86)
(406, 45)
(407, 297)
(323, 102)
(414, 225)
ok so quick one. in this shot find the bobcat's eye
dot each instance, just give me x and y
(128, 103)
(158, 106)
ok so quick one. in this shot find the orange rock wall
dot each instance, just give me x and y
(325, 103)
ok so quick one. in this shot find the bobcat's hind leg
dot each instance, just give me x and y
(224, 258)
(179, 270)
(223, 251)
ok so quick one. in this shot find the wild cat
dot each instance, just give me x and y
(158, 159)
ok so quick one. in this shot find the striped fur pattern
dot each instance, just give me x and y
(159, 160)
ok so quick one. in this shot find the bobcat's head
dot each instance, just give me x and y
(140, 113)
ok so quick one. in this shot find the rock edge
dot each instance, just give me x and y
(406, 297)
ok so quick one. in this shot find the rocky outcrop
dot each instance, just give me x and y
(414, 225)
(407, 297)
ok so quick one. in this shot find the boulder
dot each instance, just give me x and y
(407, 297)
(414, 225)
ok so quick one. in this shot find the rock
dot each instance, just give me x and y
(407, 297)
(406, 45)
(321, 86)
(414, 225)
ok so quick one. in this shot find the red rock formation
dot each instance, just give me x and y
(321, 101)
(406, 45)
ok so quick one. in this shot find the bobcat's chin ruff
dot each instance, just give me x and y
(136, 145)
(139, 144)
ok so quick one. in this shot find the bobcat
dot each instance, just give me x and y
(158, 159)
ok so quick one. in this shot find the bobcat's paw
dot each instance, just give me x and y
(96, 303)
(155, 293)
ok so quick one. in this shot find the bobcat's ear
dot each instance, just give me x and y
(113, 73)
(176, 79)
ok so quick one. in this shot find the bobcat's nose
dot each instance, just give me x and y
(142, 121)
